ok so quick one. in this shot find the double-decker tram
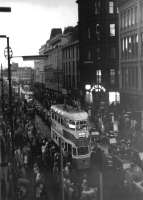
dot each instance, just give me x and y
(71, 127)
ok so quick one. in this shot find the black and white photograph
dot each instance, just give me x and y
(71, 100)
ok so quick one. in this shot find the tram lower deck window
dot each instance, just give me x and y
(74, 151)
(82, 150)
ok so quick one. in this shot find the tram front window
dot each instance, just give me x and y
(82, 150)
(81, 125)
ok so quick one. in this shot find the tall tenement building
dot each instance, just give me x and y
(131, 55)
(98, 47)
(70, 60)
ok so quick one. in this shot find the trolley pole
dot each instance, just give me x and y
(62, 176)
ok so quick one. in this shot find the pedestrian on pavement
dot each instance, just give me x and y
(66, 171)
(39, 182)
(43, 149)
(55, 169)
(40, 192)
(84, 185)
(70, 191)
(66, 185)
(18, 157)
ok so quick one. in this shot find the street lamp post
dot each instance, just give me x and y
(8, 55)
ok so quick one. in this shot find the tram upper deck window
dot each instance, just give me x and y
(83, 150)
(71, 124)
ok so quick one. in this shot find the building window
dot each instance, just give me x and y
(99, 76)
(122, 48)
(132, 16)
(97, 6)
(73, 64)
(126, 44)
(122, 20)
(98, 53)
(136, 77)
(142, 44)
(141, 7)
(137, 38)
(98, 31)
(111, 7)
(129, 45)
(89, 33)
(135, 14)
(129, 17)
(112, 30)
(73, 52)
(112, 76)
(124, 16)
(125, 77)
(136, 44)
(77, 53)
(142, 77)
(126, 19)
(123, 45)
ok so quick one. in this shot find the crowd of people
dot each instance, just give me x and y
(39, 174)
(39, 161)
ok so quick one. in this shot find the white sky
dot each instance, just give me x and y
(29, 23)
